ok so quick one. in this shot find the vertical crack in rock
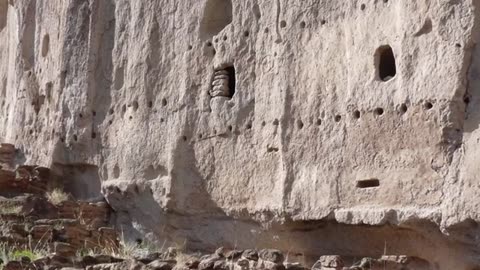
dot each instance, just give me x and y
(278, 9)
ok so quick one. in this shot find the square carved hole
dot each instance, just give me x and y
(368, 183)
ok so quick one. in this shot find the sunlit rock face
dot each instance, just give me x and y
(317, 127)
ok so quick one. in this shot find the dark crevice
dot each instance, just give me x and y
(369, 183)
(386, 64)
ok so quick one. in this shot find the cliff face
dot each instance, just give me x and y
(296, 124)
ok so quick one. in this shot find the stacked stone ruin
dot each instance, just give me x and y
(170, 259)
(221, 84)
(28, 220)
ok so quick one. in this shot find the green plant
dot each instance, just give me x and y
(18, 254)
(57, 196)
(8, 254)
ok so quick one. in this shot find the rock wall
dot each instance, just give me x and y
(334, 127)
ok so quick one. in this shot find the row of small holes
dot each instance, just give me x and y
(111, 112)
(337, 118)
(363, 6)
(283, 24)
(356, 114)
(225, 38)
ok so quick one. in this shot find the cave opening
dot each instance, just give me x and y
(386, 64)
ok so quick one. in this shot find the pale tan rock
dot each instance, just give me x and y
(117, 97)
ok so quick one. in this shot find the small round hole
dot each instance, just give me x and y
(150, 104)
(300, 124)
(356, 114)
(130, 117)
(225, 38)
(362, 6)
(458, 45)
(184, 138)
(111, 111)
(266, 30)
(162, 120)
(189, 47)
(230, 128)
(323, 22)
(466, 100)
(200, 136)
(164, 102)
(428, 105)
(75, 138)
(110, 122)
(379, 111)
(216, 40)
(319, 122)
(403, 108)
(249, 126)
(275, 122)
(246, 33)
(263, 123)
(303, 25)
(80, 115)
(135, 105)
(209, 44)
(94, 135)
(338, 118)
(283, 24)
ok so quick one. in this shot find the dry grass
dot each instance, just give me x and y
(183, 258)
(57, 196)
(8, 253)
(14, 209)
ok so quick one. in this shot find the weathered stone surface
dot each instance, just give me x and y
(160, 265)
(346, 112)
(271, 255)
(148, 258)
(329, 262)
(250, 254)
(208, 262)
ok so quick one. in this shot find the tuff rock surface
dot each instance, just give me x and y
(345, 127)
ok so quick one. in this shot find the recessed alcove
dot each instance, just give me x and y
(216, 16)
(385, 63)
(368, 183)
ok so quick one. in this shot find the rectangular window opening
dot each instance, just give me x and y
(369, 183)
